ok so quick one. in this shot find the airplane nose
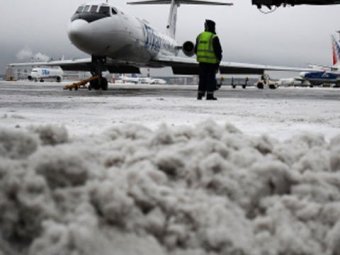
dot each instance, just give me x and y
(79, 32)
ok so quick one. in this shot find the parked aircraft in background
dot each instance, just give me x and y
(325, 74)
(158, 81)
(128, 79)
(289, 82)
(148, 80)
(43, 74)
(277, 3)
(141, 80)
(121, 43)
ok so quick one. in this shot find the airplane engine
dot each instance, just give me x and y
(188, 48)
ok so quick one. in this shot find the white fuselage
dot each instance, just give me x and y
(102, 30)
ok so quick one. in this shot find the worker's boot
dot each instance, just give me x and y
(200, 95)
(210, 96)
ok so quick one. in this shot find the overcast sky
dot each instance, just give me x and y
(289, 36)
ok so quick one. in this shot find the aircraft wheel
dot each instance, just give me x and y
(244, 86)
(260, 85)
(97, 85)
(104, 84)
(94, 84)
(234, 87)
(41, 80)
(58, 79)
(272, 86)
(90, 86)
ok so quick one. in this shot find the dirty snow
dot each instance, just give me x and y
(203, 188)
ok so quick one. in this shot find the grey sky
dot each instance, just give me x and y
(289, 36)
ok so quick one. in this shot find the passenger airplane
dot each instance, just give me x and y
(42, 74)
(328, 74)
(121, 43)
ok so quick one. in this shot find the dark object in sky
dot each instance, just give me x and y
(277, 3)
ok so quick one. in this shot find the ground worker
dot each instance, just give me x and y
(209, 54)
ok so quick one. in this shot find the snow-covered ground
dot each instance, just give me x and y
(141, 170)
(278, 113)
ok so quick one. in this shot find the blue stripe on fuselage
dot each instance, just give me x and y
(152, 42)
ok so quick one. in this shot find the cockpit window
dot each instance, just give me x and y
(80, 9)
(94, 8)
(90, 13)
(104, 10)
(87, 8)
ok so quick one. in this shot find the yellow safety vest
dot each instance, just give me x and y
(205, 50)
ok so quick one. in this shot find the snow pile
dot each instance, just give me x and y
(180, 191)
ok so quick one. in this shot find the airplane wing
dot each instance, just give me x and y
(183, 65)
(84, 64)
(179, 65)
(77, 64)
(198, 2)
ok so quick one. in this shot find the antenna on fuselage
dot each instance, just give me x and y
(171, 25)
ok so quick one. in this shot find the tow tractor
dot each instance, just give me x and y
(266, 81)
(77, 85)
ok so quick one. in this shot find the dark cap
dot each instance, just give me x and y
(210, 25)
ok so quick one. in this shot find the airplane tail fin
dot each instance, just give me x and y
(335, 52)
(171, 25)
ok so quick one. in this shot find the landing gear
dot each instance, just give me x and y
(100, 83)
(97, 81)
(98, 64)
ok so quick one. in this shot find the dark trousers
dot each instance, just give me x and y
(207, 78)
